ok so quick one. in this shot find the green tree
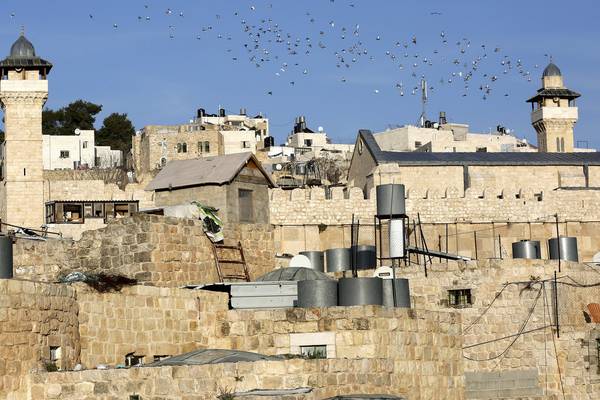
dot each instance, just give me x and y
(116, 132)
(79, 114)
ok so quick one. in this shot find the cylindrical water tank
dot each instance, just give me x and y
(338, 260)
(6, 257)
(402, 293)
(527, 249)
(269, 141)
(317, 293)
(365, 256)
(360, 291)
(317, 259)
(396, 238)
(568, 248)
(390, 200)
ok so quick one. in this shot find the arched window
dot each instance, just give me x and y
(184, 147)
(179, 147)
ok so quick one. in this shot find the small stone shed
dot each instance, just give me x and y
(236, 184)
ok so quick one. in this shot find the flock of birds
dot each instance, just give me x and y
(469, 67)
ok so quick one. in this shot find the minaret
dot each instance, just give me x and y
(23, 93)
(554, 113)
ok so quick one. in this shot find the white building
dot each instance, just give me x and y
(78, 151)
(450, 137)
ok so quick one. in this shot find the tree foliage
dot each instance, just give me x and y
(116, 132)
(79, 114)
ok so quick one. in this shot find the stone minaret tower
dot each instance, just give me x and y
(23, 93)
(554, 113)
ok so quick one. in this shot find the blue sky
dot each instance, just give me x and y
(159, 66)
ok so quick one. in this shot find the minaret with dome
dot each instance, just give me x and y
(554, 113)
(23, 93)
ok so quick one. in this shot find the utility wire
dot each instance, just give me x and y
(487, 309)
(516, 336)
(557, 362)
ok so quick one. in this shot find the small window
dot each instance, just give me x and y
(245, 205)
(73, 213)
(84, 145)
(207, 147)
(134, 360)
(481, 150)
(318, 351)
(418, 144)
(308, 142)
(135, 397)
(245, 144)
(55, 355)
(460, 298)
(98, 210)
(184, 147)
(64, 154)
(200, 147)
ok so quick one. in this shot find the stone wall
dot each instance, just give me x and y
(205, 382)
(505, 295)
(156, 250)
(308, 220)
(33, 317)
(146, 321)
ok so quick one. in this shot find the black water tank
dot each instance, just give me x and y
(201, 112)
(6, 257)
(269, 141)
(221, 112)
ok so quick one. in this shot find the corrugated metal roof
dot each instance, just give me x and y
(212, 356)
(475, 158)
(293, 274)
(204, 171)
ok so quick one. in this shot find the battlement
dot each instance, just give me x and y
(336, 206)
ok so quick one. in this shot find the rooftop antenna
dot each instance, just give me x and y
(22, 30)
(423, 117)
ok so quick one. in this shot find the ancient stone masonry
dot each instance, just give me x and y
(445, 205)
(206, 382)
(147, 321)
(33, 318)
(499, 310)
(307, 220)
(162, 251)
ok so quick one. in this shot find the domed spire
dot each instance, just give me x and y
(22, 48)
(551, 70)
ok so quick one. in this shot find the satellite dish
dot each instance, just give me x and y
(78, 131)
(300, 261)
(320, 129)
(278, 167)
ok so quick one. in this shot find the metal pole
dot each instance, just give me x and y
(558, 241)
(556, 305)
(500, 245)
(493, 239)
(475, 240)
(447, 242)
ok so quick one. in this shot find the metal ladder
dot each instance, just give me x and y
(225, 274)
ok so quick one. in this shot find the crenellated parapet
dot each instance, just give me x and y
(436, 205)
